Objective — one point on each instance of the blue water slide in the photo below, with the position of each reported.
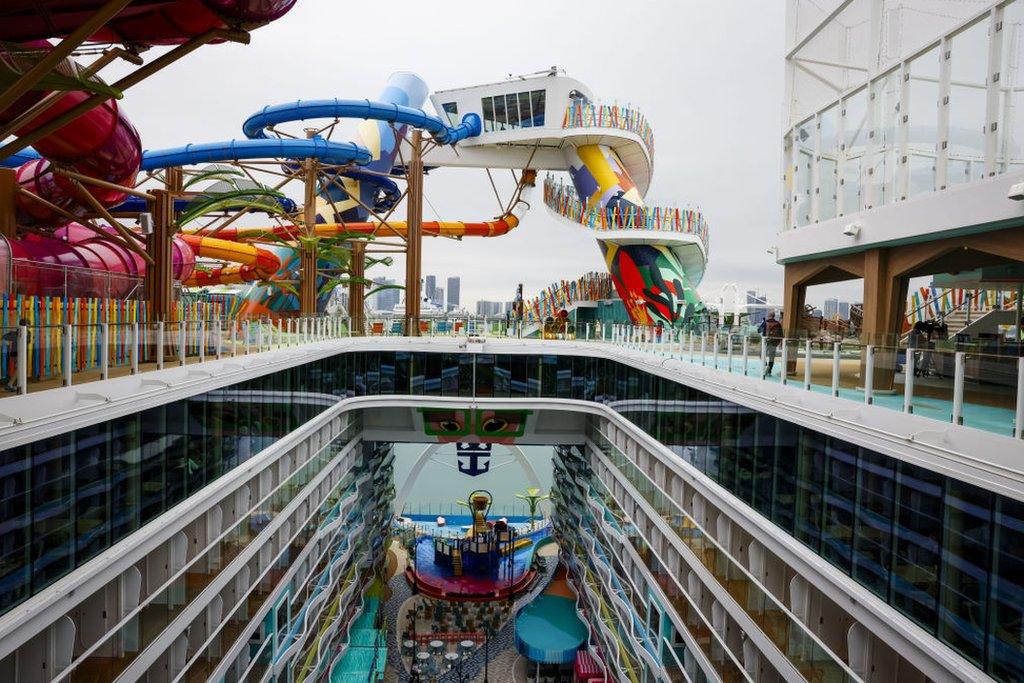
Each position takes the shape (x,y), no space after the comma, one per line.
(19,158)
(239,150)
(388,188)
(255,126)
(138,204)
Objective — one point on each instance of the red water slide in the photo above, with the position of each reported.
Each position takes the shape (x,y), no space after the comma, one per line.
(101,143)
(151,22)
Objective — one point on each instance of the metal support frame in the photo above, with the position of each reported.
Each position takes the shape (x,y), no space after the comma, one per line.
(836,351)
(958,388)
(60,52)
(182,339)
(136,347)
(22,368)
(1018,422)
(807,365)
(135,77)
(66,359)
(104,350)
(869,374)
(160,345)
(784,371)
(414,238)
(909,368)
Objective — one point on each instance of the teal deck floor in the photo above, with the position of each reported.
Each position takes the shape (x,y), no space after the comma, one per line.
(987,418)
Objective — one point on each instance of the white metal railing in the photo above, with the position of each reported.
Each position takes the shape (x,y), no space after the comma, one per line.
(966,384)
(75,353)
(870,137)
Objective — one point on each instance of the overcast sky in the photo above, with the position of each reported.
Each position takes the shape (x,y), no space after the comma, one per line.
(708,76)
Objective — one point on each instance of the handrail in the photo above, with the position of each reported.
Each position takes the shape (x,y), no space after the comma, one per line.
(585,114)
(562,199)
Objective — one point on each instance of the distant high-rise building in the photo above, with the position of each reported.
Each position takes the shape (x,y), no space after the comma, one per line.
(490,308)
(386,299)
(453,292)
(430,287)
(844,310)
(831,308)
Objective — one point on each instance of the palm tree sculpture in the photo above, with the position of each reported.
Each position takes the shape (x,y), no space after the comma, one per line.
(533,497)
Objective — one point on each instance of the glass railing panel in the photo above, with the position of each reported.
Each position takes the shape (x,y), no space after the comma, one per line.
(932,387)
(990,391)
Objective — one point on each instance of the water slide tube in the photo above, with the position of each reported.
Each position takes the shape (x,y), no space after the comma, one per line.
(253,262)
(101,143)
(152,22)
(337,200)
(495,228)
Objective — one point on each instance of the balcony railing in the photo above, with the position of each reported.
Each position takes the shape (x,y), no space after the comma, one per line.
(961,384)
(561,295)
(563,200)
(581,114)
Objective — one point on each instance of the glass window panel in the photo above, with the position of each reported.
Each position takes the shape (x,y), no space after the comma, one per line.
(52,510)
(125,457)
(548,376)
(176,439)
(1011,91)
(872,550)
(512,110)
(487,104)
(484,374)
(762,428)
(809,482)
(787,446)
(500,119)
(450,374)
(403,363)
(915,581)
(923,121)
(1006,611)
(418,373)
(855,135)
(92,491)
(840,496)
(525,115)
(537,106)
(742,427)
(803,160)
(967,100)
(466,374)
(965,568)
(433,374)
(885,92)
(15,526)
(386,379)
(828,162)
(502,376)
(563,383)
(451,110)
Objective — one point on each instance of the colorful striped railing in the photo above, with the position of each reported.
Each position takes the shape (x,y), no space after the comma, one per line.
(581,114)
(560,295)
(561,198)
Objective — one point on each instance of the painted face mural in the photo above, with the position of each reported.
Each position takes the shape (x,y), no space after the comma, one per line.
(464,425)
(650,282)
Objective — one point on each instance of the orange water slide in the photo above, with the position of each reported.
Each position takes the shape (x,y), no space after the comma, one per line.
(253,263)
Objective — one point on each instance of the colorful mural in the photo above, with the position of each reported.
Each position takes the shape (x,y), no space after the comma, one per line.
(651,283)
(474,425)
(648,276)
